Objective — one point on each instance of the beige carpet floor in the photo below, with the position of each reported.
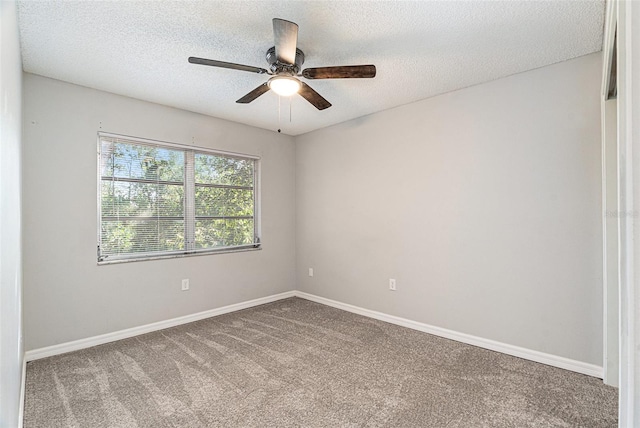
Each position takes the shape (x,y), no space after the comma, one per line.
(295,363)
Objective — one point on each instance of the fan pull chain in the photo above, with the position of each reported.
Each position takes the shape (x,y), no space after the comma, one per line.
(279,126)
(280,112)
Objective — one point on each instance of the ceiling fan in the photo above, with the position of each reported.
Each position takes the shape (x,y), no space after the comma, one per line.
(285,61)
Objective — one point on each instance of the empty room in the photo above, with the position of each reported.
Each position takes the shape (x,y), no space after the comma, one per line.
(319,213)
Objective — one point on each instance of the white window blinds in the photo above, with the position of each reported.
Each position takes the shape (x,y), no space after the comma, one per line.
(159,200)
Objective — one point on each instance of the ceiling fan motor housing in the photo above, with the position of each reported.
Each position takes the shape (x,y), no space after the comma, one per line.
(278,67)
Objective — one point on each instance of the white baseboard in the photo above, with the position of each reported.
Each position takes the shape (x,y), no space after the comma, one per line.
(36,354)
(516,351)
(528,354)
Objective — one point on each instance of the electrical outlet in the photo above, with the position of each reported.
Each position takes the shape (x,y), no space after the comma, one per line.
(392,284)
(185,284)
(310,271)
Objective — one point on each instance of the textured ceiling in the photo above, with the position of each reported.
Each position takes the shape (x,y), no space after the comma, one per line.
(421,49)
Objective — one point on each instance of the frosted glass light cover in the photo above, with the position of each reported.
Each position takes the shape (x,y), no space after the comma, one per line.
(284,86)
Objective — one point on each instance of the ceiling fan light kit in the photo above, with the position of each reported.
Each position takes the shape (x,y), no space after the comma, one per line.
(285,62)
(285,86)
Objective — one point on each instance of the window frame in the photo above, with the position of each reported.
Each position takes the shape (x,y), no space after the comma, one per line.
(189,150)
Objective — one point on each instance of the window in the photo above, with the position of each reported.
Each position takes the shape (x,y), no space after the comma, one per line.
(159,199)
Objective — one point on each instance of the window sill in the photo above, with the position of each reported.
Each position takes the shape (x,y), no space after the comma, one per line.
(178,256)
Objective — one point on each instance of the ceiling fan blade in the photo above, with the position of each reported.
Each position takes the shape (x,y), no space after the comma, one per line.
(222,64)
(286,38)
(313,97)
(254,94)
(342,72)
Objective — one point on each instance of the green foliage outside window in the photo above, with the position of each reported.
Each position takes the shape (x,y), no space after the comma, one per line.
(144,200)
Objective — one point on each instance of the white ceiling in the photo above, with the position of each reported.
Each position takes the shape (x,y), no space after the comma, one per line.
(421,49)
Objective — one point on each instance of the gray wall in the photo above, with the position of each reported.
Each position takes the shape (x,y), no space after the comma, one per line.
(483,203)
(11,349)
(66,295)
